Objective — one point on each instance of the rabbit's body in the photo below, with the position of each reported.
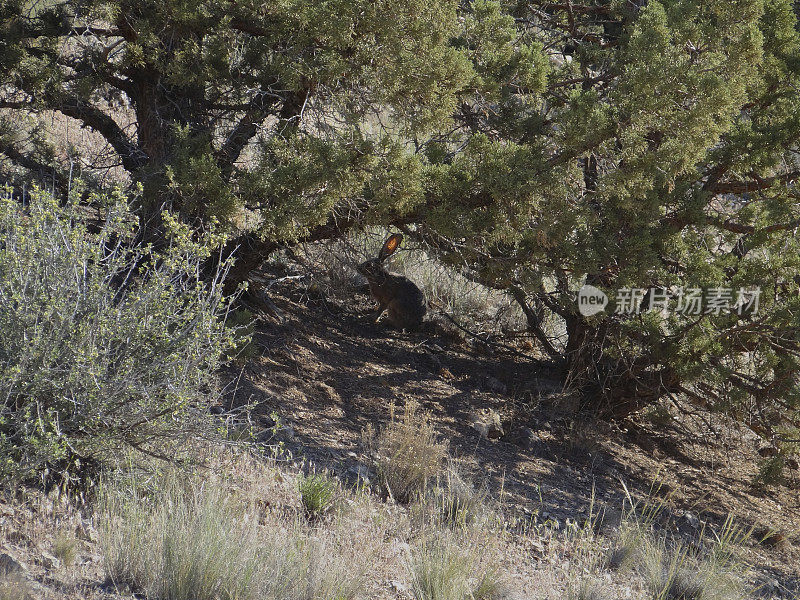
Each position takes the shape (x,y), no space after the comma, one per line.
(402,300)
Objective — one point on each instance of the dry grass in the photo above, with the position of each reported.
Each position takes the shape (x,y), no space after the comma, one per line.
(669,569)
(196,540)
(65,548)
(239,531)
(588,589)
(408,454)
(439,570)
(445,566)
(454,501)
(14,587)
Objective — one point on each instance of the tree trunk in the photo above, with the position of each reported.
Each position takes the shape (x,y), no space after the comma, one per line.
(612,388)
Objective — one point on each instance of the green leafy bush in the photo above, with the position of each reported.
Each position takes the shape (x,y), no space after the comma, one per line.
(105,345)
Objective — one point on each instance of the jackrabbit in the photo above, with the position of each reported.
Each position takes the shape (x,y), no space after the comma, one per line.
(399,296)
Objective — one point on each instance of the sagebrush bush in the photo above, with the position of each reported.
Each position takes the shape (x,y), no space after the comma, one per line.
(409,456)
(105,345)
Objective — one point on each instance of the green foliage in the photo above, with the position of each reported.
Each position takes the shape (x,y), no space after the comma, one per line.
(242,322)
(661,154)
(534,145)
(104,345)
(287,109)
(770,471)
(317,493)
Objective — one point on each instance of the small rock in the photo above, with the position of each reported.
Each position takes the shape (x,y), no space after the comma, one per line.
(48,561)
(494,385)
(538,547)
(362,471)
(445,373)
(398,586)
(768,451)
(567,403)
(527,438)
(9,566)
(772,586)
(488,424)
(85,531)
(691,519)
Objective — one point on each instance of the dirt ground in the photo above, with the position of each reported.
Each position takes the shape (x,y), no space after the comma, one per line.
(330,374)
(320,376)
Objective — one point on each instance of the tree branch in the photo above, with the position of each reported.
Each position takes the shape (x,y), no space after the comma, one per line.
(32,165)
(133,158)
(259,108)
(758,183)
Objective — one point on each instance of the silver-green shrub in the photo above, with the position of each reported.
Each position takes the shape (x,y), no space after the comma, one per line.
(105,344)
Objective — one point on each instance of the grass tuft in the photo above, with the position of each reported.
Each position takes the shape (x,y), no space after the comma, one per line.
(65,548)
(317,494)
(439,570)
(409,456)
(457,501)
(197,541)
(589,589)
(490,586)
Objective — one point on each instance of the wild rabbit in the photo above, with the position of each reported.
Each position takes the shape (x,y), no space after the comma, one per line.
(396,294)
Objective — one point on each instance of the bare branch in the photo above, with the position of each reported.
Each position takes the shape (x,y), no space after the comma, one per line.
(133,158)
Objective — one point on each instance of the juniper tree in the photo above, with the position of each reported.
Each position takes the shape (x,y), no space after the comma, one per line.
(538,146)
(661,155)
(225,109)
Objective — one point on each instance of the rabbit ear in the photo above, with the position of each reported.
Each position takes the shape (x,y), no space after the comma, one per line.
(390,246)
